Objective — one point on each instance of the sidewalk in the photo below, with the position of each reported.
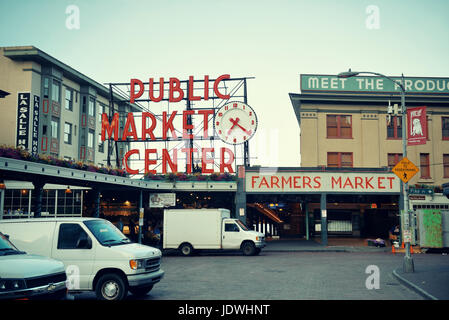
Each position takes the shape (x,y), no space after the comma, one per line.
(314,245)
(430,278)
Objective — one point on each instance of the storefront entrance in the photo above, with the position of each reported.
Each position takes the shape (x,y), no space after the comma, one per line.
(289,216)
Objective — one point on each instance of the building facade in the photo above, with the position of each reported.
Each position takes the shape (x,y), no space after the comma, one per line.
(353,129)
(50,109)
(63,107)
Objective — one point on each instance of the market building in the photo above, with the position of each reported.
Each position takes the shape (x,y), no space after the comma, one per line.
(354,124)
(54,113)
(351,138)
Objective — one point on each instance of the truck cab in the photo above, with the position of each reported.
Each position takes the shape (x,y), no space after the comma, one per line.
(235,235)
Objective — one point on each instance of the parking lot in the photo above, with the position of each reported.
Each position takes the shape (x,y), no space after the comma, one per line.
(278,276)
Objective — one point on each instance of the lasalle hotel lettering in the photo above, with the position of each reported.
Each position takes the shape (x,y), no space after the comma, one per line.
(23,121)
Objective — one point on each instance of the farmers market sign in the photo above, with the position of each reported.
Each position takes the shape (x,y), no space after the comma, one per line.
(322,182)
(314,82)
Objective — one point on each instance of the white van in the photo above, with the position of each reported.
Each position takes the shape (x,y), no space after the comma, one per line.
(208,229)
(96,255)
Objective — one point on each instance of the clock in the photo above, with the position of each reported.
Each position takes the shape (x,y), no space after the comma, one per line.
(235,122)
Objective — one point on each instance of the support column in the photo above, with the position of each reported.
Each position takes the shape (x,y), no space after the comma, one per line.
(96,203)
(304,208)
(38,190)
(141,213)
(323,202)
(2,202)
(240,197)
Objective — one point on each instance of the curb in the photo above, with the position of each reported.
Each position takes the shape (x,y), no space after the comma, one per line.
(414,287)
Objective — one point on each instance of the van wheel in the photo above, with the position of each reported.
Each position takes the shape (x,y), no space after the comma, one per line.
(140,291)
(186,249)
(248,248)
(111,287)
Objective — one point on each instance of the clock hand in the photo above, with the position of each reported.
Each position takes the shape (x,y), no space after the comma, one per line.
(235,123)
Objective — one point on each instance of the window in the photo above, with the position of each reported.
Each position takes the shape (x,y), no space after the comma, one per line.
(424,165)
(91,107)
(231,227)
(54,129)
(446,165)
(100,144)
(339,159)
(68,99)
(68,133)
(72,236)
(393,159)
(339,126)
(55,91)
(445,127)
(394,127)
(46,87)
(90,138)
(102,109)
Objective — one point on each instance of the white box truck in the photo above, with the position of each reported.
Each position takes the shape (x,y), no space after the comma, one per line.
(96,255)
(189,230)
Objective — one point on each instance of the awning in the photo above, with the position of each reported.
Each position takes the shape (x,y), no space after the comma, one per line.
(15,184)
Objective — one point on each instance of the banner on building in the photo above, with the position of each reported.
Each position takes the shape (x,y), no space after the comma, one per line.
(35,130)
(23,119)
(417,126)
(162,200)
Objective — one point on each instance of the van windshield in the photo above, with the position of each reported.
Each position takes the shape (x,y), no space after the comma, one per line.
(106,233)
(6,247)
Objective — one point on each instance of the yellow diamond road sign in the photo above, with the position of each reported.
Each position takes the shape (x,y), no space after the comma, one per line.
(405,170)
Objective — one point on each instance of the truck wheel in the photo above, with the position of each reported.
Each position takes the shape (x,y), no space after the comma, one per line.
(111,286)
(248,249)
(141,291)
(186,249)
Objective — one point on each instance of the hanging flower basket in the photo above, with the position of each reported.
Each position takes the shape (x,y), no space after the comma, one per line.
(21,154)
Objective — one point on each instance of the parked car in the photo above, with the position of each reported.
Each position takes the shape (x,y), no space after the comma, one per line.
(29,276)
(97,256)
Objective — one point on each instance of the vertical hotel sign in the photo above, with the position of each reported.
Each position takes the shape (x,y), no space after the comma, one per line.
(417,126)
(35,127)
(23,119)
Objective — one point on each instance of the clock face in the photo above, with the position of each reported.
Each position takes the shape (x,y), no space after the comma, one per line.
(235,122)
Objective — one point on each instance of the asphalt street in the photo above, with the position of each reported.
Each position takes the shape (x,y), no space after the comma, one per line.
(280,276)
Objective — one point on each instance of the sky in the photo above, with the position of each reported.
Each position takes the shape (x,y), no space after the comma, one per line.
(272,41)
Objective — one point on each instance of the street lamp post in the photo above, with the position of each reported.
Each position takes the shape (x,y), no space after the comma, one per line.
(408,265)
